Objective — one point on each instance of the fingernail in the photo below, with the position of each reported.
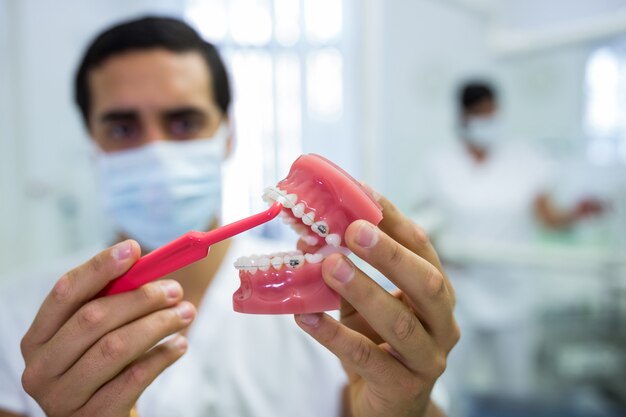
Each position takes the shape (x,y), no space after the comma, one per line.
(180,342)
(310,319)
(185,310)
(367,235)
(343,271)
(62,286)
(122,250)
(172,289)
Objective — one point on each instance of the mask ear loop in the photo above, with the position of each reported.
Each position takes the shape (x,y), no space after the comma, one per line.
(188,248)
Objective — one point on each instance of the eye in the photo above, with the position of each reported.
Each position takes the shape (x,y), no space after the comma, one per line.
(123,131)
(185,127)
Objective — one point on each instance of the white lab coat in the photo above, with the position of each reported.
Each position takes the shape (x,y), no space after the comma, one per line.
(481,206)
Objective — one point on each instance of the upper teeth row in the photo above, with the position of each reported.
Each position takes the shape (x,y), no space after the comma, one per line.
(289,201)
(276,260)
(272,194)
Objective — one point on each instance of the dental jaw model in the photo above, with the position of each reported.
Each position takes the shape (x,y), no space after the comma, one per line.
(319,200)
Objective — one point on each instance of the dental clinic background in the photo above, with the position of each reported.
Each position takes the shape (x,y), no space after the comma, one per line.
(373,85)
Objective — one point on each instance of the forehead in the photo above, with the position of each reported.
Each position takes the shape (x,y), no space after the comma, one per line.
(485,106)
(151,79)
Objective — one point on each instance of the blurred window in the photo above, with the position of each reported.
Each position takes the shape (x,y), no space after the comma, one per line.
(605,113)
(286,65)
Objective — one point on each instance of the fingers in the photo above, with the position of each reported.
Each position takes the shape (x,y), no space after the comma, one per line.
(76,287)
(356,352)
(126,388)
(390,318)
(102,315)
(422,284)
(411,236)
(116,350)
(119,395)
(111,354)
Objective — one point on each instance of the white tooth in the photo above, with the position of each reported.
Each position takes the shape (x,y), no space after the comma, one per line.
(242,262)
(293,261)
(264,264)
(321,228)
(254,261)
(330,249)
(290,200)
(310,240)
(299,228)
(314,258)
(277,262)
(272,194)
(333,239)
(308,218)
(252,269)
(269,194)
(298,210)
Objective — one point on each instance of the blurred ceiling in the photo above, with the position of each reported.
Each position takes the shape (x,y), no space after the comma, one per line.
(521,26)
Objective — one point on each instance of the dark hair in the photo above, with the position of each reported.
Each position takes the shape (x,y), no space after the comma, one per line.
(148,33)
(474,92)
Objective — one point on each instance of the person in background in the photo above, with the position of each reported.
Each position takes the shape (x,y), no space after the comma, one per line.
(155,100)
(490,194)
(522,170)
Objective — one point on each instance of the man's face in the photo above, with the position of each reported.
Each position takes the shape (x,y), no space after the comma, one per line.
(140,97)
(484,108)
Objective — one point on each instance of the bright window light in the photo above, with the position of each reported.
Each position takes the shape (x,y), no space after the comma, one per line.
(324,84)
(209,18)
(287,26)
(250,22)
(605,114)
(603,87)
(288,110)
(286,66)
(323,20)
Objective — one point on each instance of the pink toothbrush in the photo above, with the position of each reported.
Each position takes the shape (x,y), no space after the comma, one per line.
(188,248)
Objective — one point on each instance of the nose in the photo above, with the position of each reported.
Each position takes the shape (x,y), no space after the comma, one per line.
(154,132)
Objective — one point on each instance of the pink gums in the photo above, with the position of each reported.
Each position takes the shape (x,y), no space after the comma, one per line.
(335,198)
(286,291)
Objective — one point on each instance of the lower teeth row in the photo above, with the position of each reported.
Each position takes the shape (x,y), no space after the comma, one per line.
(277,261)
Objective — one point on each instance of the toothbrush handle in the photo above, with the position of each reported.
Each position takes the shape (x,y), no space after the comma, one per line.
(189,248)
(181,252)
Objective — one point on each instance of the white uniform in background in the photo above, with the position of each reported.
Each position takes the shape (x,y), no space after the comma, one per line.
(237,365)
(486,205)
(488,201)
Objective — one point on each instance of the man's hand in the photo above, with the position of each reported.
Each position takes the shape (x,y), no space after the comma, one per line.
(88,357)
(394,346)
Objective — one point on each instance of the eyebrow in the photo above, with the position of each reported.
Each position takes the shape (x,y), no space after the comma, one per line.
(184,111)
(116,115)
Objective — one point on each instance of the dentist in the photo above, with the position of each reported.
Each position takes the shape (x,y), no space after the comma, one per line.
(155,100)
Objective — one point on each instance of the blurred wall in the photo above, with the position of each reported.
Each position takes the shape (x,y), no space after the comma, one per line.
(427,48)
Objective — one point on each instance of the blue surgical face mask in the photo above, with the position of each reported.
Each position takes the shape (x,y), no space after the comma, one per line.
(160,191)
(482,131)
